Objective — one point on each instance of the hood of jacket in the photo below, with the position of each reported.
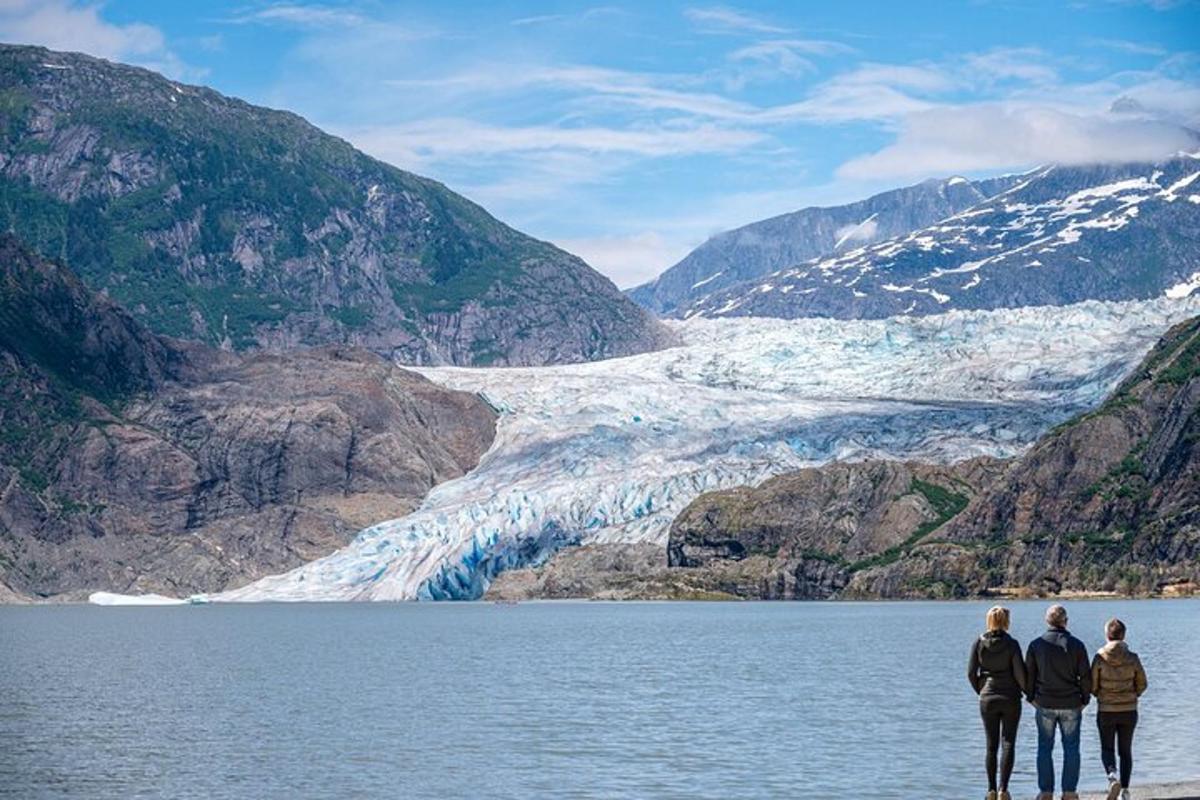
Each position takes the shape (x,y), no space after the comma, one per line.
(1116,653)
(995,642)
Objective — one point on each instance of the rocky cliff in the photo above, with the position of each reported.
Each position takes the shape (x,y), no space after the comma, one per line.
(1109,501)
(132,462)
(215,220)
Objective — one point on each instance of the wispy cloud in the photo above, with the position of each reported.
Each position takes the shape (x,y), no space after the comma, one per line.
(303,16)
(437,139)
(1027,64)
(723,19)
(1126,46)
(63,25)
(789,56)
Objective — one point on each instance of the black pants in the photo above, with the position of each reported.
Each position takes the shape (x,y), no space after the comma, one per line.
(1116,727)
(1000,718)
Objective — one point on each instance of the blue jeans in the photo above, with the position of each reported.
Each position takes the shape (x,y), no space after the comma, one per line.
(1066,720)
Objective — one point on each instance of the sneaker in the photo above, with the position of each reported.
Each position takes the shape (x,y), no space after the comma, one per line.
(991,795)
(1114,788)
(1125,795)
(1004,795)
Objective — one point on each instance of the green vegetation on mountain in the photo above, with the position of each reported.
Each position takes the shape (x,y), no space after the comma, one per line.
(216,220)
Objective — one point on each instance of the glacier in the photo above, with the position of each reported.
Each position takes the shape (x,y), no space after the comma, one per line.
(611,451)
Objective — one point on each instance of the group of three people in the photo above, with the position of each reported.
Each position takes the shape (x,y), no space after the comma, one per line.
(1055,676)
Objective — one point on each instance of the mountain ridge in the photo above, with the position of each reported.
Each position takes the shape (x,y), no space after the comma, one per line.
(761,247)
(217,220)
(1059,236)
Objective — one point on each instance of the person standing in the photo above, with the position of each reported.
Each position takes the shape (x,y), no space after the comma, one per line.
(997,674)
(1118,680)
(1059,685)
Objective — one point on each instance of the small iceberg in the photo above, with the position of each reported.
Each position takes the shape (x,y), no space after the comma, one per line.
(113,599)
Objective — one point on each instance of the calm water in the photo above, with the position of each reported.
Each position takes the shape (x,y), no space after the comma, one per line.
(567,700)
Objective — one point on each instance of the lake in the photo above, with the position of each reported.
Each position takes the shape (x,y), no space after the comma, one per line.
(563,700)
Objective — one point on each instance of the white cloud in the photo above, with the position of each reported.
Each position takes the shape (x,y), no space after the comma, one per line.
(725,19)
(62,25)
(628,260)
(992,136)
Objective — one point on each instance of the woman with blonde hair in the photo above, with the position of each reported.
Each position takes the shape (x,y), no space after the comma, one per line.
(997,674)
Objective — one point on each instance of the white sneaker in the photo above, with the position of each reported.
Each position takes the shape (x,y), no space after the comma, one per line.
(1125,795)
(1114,787)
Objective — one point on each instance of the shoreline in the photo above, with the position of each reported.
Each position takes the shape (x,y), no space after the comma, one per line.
(1183,790)
(1082,597)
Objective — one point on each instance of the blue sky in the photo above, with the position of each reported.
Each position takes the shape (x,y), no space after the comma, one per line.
(630,132)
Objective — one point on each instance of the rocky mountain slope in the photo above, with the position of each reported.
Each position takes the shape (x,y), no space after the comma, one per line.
(133,462)
(1060,236)
(1109,501)
(758,249)
(215,220)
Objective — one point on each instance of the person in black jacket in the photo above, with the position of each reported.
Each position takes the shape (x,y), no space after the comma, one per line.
(997,674)
(1059,684)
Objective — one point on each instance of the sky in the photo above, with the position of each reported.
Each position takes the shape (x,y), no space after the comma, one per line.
(628,133)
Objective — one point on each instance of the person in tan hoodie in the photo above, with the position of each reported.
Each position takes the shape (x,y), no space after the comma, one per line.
(1118,680)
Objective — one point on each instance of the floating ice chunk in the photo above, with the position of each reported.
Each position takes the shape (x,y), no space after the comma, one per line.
(113,599)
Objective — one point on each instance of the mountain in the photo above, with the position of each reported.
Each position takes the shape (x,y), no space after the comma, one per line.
(1108,501)
(1061,235)
(215,220)
(133,462)
(761,248)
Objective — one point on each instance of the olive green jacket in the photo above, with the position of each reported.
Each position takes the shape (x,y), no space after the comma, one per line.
(1118,679)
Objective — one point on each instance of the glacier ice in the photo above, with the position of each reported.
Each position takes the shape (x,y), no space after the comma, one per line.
(610,451)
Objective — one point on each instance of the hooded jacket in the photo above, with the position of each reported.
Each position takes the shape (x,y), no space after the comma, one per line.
(1057,672)
(1118,679)
(995,668)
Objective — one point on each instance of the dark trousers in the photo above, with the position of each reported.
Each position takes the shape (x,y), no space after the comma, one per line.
(1000,718)
(1116,729)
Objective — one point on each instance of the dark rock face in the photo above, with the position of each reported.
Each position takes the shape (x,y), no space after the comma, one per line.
(131,462)
(758,249)
(1110,500)
(214,220)
(1062,235)
(807,533)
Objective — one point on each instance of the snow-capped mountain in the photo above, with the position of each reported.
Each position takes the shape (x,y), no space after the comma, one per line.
(762,247)
(612,451)
(1060,235)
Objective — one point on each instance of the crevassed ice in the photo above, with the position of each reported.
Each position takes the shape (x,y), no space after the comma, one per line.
(613,450)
